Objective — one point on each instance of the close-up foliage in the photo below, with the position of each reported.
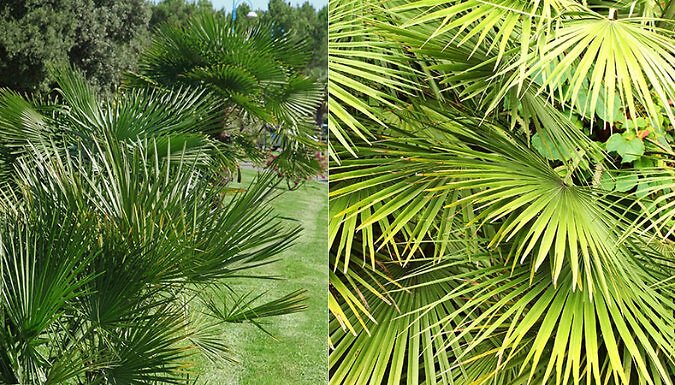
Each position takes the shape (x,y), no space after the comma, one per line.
(502,192)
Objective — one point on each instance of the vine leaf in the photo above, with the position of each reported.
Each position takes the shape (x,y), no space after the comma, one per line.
(629,149)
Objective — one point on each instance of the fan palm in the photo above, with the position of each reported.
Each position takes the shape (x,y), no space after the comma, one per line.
(255,73)
(117,233)
(502,207)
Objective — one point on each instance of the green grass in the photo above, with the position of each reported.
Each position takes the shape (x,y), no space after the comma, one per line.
(298,353)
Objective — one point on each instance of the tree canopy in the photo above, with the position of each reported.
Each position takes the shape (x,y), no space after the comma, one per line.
(102,38)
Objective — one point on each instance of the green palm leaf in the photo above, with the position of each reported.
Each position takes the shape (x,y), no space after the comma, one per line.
(254,75)
(534,252)
(115,216)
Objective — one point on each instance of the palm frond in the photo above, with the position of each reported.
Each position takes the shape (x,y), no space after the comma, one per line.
(520,191)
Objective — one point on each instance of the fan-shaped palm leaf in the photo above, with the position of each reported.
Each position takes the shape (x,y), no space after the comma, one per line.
(491,184)
(115,217)
(255,74)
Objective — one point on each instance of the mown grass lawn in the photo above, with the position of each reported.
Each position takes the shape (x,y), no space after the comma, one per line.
(298,353)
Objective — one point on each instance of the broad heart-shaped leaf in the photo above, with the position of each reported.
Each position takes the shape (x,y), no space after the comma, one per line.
(602,110)
(643,189)
(629,150)
(626,182)
(550,149)
(641,123)
(607,182)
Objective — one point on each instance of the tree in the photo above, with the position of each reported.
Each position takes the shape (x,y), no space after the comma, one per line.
(502,192)
(308,25)
(176,12)
(117,239)
(254,73)
(320,35)
(99,37)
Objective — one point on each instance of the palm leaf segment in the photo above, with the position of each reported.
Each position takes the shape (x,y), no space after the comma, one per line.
(484,235)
